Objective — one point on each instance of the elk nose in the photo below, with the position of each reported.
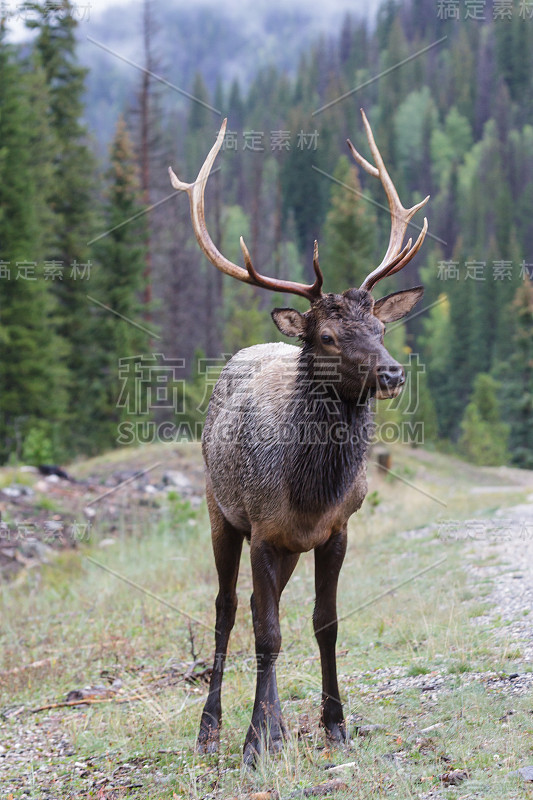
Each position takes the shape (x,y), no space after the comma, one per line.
(391,377)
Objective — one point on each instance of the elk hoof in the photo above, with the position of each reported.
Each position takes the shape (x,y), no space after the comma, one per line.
(208,742)
(255,747)
(250,754)
(336,733)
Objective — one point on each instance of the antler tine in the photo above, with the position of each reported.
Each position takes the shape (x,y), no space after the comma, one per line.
(249,275)
(311,292)
(395,258)
(196,198)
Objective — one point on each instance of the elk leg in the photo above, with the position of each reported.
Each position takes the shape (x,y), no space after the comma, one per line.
(271,569)
(227,547)
(328,561)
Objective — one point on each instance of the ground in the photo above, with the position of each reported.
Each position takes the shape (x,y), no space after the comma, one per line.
(108,589)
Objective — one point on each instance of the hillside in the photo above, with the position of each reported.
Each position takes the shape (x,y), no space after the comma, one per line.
(107,642)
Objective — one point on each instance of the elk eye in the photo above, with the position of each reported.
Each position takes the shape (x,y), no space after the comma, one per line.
(326,338)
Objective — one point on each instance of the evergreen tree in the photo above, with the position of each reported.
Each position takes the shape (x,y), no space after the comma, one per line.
(201,127)
(517,380)
(72,199)
(348,231)
(116,336)
(31,376)
(484,436)
(305,190)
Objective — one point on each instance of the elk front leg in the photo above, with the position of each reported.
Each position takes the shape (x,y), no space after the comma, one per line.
(271,570)
(328,561)
(227,547)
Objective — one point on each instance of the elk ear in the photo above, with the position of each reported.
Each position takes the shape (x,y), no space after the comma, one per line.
(397,305)
(289,321)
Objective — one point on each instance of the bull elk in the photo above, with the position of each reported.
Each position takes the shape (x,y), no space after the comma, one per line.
(285,446)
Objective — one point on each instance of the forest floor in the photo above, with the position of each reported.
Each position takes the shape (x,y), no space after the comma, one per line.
(107,610)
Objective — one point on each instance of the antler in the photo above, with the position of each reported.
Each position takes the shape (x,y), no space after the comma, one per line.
(249,275)
(396,257)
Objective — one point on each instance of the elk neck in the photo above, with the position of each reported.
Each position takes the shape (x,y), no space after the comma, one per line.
(333,438)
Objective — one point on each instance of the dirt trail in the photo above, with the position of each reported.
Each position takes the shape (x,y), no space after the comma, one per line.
(502,550)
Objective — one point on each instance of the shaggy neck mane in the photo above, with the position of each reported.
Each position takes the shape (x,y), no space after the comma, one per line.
(332,438)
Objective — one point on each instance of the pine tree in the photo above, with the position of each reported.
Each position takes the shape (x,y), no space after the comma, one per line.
(517,380)
(116,335)
(72,199)
(484,436)
(348,232)
(31,376)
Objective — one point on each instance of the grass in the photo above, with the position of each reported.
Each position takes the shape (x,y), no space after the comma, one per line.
(89,627)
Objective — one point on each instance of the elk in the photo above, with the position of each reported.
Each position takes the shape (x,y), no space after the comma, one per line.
(285,448)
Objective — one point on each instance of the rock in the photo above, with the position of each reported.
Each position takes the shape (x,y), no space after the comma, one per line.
(367,730)
(177,479)
(324,789)
(16,490)
(33,548)
(526,773)
(124,475)
(23,489)
(52,470)
(10,491)
(454,777)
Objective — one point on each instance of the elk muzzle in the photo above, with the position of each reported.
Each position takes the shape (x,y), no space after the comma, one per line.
(390,380)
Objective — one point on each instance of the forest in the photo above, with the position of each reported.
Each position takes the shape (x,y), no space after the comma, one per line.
(113,325)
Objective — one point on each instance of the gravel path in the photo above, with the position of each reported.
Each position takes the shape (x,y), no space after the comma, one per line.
(507,540)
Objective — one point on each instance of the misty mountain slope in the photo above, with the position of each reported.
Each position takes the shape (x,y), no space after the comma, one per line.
(220,43)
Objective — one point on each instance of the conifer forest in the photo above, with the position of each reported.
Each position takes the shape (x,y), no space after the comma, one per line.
(113,325)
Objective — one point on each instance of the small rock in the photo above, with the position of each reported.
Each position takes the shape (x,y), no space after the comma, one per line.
(23,489)
(367,730)
(526,773)
(33,548)
(323,789)
(454,777)
(10,491)
(178,479)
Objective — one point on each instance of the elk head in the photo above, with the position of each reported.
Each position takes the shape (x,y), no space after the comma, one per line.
(346,329)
